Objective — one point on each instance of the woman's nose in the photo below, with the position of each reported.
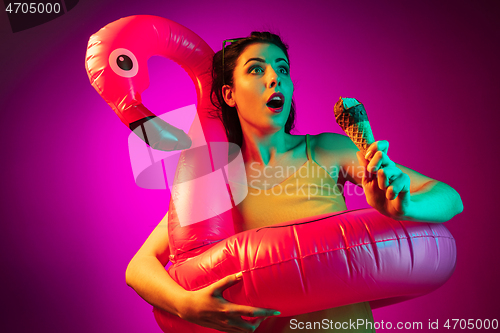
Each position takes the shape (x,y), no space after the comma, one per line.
(274,79)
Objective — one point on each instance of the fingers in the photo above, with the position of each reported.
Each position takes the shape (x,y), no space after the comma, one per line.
(381,145)
(232,313)
(392,180)
(226,282)
(241,318)
(387,175)
(361,159)
(383,171)
(367,177)
(379,160)
(248,317)
(213,311)
(250,311)
(230,321)
(400,186)
(254,323)
(240,325)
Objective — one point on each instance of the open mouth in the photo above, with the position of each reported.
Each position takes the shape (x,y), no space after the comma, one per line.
(276,102)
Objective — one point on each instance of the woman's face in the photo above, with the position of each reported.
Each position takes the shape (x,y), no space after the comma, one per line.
(262,88)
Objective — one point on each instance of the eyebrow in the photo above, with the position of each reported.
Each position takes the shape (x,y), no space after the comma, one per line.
(262,60)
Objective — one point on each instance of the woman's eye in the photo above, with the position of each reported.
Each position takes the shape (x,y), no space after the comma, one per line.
(256,70)
(284,70)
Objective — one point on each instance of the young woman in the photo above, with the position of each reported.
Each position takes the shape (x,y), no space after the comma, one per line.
(253,90)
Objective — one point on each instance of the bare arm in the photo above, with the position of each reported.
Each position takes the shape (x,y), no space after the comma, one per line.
(431,201)
(146,274)
(392,189)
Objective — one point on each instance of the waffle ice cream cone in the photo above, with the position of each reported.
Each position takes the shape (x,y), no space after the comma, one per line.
(352,118)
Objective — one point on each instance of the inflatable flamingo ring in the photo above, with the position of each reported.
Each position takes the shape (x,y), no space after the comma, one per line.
(328,261)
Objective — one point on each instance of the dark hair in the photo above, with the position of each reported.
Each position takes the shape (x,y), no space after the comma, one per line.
(226,113)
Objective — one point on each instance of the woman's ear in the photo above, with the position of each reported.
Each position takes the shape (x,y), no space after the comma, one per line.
(227,93)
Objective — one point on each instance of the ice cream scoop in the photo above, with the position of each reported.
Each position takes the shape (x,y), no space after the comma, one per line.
(351,117)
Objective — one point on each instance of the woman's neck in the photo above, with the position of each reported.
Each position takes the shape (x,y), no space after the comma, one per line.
(264,148)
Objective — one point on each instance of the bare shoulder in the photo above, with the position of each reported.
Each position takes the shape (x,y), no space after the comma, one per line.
(332,142)
(334,152)
(333,147)
(329,150)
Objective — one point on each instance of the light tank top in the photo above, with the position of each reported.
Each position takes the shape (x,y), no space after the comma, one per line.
(307,191)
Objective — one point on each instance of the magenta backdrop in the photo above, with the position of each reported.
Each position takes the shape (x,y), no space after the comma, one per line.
(428,74)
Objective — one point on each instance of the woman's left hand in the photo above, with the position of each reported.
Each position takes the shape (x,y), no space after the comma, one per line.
(386,187)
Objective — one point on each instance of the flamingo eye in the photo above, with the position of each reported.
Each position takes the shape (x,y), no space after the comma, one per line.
(123,62)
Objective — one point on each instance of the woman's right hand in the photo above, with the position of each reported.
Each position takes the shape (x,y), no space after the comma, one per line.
(206,307)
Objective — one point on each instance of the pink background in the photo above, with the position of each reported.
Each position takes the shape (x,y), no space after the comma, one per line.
(72,216)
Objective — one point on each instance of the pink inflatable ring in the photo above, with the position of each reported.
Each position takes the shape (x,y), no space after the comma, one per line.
(332,260)
(328,261)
